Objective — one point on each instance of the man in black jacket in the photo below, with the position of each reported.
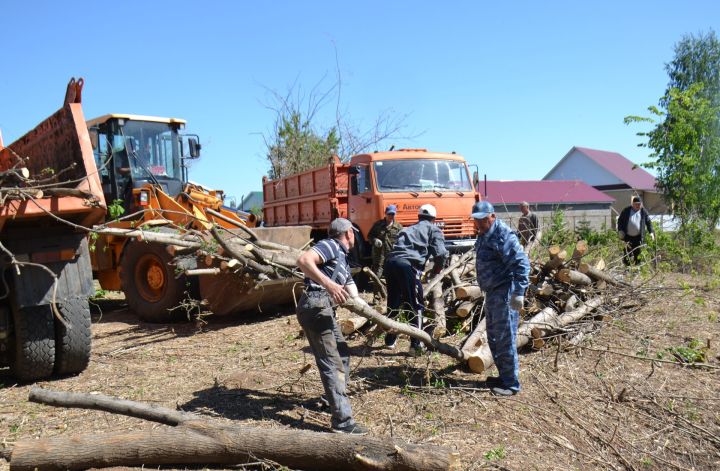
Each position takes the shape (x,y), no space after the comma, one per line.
(632,224)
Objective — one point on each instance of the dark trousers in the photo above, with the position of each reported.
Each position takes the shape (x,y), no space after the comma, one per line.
(405,294)
(332,354)
(632,249)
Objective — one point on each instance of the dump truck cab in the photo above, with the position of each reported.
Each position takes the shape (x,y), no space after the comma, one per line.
(132,151)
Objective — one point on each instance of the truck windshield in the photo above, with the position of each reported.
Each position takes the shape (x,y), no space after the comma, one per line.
(421,175)
(156,148)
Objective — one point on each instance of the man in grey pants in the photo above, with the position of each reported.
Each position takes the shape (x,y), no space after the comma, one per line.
(328,283)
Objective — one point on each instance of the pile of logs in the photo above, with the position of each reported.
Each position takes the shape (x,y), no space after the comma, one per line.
(563,291)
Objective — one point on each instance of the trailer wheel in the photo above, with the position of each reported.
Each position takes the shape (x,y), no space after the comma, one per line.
(72,346)
(33,352)
(149,283)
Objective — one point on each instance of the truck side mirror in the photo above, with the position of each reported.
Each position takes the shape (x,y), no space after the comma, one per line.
(195,147)
(354,170)
(354,190)
(476,179)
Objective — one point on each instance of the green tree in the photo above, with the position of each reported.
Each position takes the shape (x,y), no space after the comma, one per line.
(685,140)
(297,146)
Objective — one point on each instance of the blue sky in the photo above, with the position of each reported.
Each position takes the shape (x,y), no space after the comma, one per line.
(511,87)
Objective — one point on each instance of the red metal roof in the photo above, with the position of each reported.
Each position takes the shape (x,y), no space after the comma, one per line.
(542,192)
(633,175)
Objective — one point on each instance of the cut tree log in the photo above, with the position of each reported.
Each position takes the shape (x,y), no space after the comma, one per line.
(555,322)
(437,304)
(469,293)
(581,248)
(596,274)
(555,262)
(351,324)
(482,359)
(465,308)
(573,277)
(192,440)
(476,339)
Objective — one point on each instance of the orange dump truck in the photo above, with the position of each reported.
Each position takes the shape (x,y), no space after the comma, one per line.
(48,174)
(361,189)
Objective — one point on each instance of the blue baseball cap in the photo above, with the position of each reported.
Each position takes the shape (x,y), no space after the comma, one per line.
(482,209)
(391,209)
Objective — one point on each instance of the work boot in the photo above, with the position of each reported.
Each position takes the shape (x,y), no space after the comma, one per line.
(502,391)
(491,381)
(390,341)
(352,429)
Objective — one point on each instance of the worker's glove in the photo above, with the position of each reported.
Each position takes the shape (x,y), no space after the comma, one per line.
(621,234)
(516,302)
(377,243)
(652,235)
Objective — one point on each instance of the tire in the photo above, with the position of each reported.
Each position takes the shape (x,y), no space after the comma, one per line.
(72,347)
(149,283)
(33,352)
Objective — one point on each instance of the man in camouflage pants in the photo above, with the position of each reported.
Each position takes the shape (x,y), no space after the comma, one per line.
(382,236)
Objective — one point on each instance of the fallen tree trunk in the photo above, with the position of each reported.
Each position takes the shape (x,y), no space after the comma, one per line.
(361,308)
(427,289)
(195,441)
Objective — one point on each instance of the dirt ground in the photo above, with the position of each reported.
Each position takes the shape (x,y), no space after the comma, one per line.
(606,405)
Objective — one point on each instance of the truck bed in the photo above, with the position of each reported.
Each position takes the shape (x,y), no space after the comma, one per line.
(60,143)
(312,198)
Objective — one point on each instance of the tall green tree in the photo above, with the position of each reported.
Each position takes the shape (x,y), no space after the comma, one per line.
(685,140)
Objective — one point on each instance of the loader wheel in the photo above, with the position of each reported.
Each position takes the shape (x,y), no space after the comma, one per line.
(149,283)
(33,354)
(72,347)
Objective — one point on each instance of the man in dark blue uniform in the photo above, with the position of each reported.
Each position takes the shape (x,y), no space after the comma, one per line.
(502,272)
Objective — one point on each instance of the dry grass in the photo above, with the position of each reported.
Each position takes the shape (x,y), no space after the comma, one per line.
(603,406)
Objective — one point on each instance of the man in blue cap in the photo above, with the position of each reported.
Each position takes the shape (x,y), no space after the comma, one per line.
(502,272)
(382,236)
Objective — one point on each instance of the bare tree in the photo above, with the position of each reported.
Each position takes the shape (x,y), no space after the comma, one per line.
(300,139)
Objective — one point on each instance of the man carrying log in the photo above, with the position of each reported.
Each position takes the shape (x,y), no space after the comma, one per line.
(404,267)
(502,272)
(328,283)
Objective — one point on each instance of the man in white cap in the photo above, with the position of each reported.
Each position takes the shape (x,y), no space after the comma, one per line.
(502,272)
(404,266)
(328,283)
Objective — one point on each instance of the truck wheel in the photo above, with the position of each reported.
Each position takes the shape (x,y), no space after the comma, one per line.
(33,355)
(72,347)
(149,283)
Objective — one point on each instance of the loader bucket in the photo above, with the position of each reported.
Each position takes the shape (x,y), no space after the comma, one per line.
(229,293)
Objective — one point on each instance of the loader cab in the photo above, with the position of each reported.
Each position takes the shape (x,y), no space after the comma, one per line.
(134,151)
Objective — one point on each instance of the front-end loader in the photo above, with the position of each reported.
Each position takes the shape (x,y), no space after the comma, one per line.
(141,163)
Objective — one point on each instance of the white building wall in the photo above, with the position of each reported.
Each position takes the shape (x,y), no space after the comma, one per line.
(599,219)
(577,166)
